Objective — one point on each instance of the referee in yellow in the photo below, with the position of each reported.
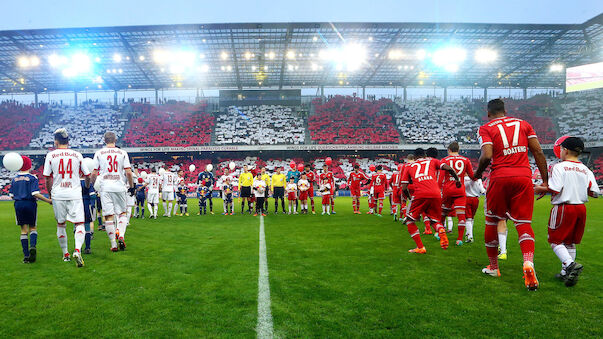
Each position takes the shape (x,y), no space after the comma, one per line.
(266,178)
(245,182)
(278,189)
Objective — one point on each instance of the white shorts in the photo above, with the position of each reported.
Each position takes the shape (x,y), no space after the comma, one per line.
(114,203)
(153,197)
(167,195)
(68,210)
(130,200)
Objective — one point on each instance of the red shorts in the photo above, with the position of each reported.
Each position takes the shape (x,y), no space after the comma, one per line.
(471,207)
(430,207)
(355,191)
(326,199)
(292,196)
(566,224)
(311,191)
(378,195)
(453,203)
(396,196)
(510,198)
(303,195)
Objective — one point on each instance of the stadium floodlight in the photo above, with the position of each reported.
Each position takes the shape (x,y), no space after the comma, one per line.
(449,55)
(314,67)
(117,57)
(421,54)
(556,67)
(291,55)
(395,54)
(485,55)
(23,62)
(271,55)
(350,57)
(34,61)
(141,58)
(253,68)
(314,38)
(56,60)
(451,68)
(79,63)
(247,55)
(205,68)
(223,55)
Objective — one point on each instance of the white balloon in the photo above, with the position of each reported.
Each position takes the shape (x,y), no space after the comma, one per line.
(143,174)
(209,167)
(191,168)
(161,171)
(232,165)
(12,161)
(89,163)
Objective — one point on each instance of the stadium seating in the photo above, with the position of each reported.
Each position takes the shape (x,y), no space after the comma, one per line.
(85,124)
(537,111)
(581,115)
(260,125)
(170,125)
(19,124)
(430,120)
(351,120)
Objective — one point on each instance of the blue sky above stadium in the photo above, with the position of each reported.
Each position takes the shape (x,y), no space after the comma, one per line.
(34,14)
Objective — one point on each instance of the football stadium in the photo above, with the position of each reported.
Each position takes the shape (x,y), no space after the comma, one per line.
(398,171)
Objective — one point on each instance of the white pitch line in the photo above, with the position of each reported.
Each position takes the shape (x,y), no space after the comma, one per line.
(264,327)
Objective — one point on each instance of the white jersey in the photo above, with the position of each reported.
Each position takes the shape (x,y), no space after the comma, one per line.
(65,166)
(303,185)
(152,182)
(111,163)
(572,181)
(168,182)
(291,188)
(259,187)
(474,188)
(222,180)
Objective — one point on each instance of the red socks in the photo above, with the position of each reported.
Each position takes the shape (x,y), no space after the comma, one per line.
(526,241)
(414,234)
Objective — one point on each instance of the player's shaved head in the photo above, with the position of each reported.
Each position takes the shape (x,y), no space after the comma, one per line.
(496,107)
(453,147)
(419,153)
(110,137)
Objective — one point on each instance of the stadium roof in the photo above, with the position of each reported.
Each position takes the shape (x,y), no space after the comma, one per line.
(252,55)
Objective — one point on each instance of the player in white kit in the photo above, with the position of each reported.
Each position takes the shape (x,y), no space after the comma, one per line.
(62,169)
(168,192)
(153,182)
(113,167)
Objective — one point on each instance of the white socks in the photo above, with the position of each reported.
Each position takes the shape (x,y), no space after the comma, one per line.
(122,224)
(62,236)
(156,209)
(502,241)
(169,208)
(449,223)
(110,229)
(572,251)
(328,209)
(469,228)
(289,209)
(563,255)
(150,208)
(80,235)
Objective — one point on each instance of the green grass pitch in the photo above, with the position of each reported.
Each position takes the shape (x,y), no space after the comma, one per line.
(330,276)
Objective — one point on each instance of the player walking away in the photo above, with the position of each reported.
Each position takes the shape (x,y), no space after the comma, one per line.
(410,158)
(505,142)
(99,212)
(140,198)
(113,167)
(354,181)
(208,177)
(304,186)
(295,174)
(24,190)
(292,195)
(87,192)
(325,190)
(245,182)
(329,176)
(426,198)
(378,185)
(266,177)
(571,183)
(473,190)
(153,182)
(259,190)
(453,197)
(227,196)
(278,189)
(168,190)
(311,177)
(62,169)
(394,183)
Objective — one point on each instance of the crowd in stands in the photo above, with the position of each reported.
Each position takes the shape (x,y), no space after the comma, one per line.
(260,125)
(178,124)
(351,120)
(598,168)
(85,124)
(536,110)
(19,124)
(581,115)
(430,120)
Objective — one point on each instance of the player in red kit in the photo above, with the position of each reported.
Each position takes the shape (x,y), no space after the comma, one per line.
(378,185)
(311,177)
(505,143)
(394,183)
(426,198)
(453,197)
(326,174)
(354,181)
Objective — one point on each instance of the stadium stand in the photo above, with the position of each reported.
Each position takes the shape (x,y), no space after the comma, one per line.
(537,111)
(581,115)
(598,168)
(85,124)
(351,120)
(19,124)
(430,120)
(259,125)
(177,124)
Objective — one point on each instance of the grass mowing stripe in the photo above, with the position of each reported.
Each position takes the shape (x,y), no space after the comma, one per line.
(264,327)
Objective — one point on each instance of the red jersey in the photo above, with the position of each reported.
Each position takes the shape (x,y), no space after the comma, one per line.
(509,140)
(310,176)
(379,182)
(423,175)
(355,179)
(462,166)
(329,177)
(394,181)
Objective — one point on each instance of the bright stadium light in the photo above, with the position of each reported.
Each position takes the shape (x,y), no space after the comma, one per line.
(117,57)
(271,55)
(556,67)
(350,57)
(291,55)
(205,68)
(78,64)
(23,62)
(223,55)
(247,55)
(451,68)
(421,54)
(34,61)
(485,55)
(449,55)
(395,54)
(56,60)
(141,58)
